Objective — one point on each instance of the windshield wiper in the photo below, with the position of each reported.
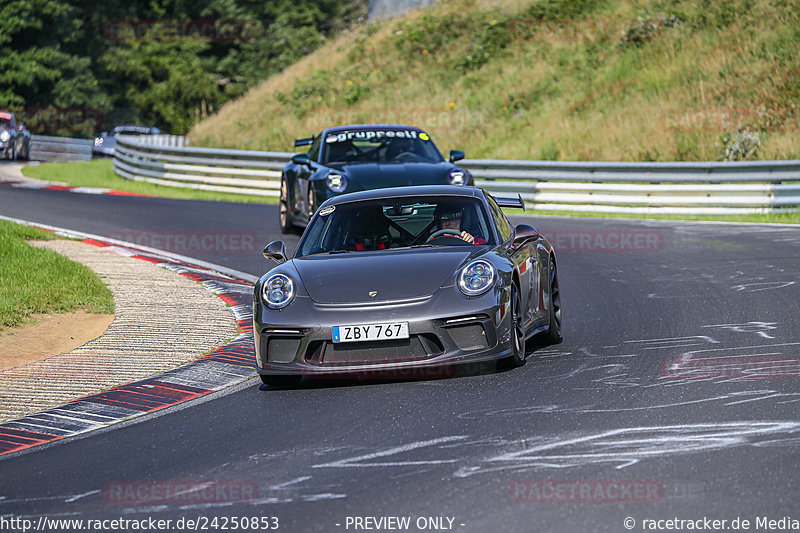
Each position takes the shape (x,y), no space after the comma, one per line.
(338,252)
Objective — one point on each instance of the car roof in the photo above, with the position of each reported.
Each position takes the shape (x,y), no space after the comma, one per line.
(134,128)
(403,192)
(370,127)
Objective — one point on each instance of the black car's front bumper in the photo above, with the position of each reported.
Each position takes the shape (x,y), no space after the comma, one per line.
(445,330)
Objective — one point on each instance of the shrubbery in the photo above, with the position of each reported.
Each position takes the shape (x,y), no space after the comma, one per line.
(67,54)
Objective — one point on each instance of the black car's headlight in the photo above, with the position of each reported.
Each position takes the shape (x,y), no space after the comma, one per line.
(4,135)
(457,177)
(336,182)
(477,277)
(277,291)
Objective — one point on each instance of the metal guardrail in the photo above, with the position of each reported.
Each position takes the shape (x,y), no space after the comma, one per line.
(236,171)
(45,148)
(178,141)
(679,188)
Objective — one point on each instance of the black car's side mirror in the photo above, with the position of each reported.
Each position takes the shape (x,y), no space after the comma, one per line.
(276,251)
(456,155)
(301,159)
(524,234)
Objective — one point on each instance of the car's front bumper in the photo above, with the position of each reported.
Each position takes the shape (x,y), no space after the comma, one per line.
(445,330)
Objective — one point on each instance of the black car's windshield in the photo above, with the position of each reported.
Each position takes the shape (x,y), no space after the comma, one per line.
(397,223)
(379,146)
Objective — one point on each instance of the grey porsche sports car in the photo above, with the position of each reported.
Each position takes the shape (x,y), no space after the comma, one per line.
(405,278)
(354,158)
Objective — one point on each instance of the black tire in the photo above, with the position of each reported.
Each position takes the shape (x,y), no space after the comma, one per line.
(554,333)
(517,357)
(283,209)
(280,381)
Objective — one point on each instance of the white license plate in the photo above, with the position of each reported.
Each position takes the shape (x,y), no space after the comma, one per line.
(371,332)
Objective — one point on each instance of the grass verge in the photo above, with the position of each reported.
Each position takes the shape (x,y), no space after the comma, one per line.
(34,280)
(100,173)
(607,80)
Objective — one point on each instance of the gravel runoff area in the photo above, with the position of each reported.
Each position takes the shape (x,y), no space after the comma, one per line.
(162,320)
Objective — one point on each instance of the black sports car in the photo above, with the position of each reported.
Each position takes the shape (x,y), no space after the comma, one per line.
(105,143)
(15,139)
(405,278)
(357,158)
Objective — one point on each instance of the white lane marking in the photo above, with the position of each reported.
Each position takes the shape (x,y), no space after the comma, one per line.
(762,286)
(759,328)
(285,484)
(90,190)
(628,446)
(79,496)
(358,460)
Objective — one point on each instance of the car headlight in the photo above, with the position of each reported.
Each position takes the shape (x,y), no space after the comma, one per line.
(4,135)
(477,277)
(277,291)
(457,177)
(336,182)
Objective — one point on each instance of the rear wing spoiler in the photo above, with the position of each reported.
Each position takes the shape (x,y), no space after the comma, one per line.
(303,142)
(510,201)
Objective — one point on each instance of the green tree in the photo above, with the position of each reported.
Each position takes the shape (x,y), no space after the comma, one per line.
(38,68)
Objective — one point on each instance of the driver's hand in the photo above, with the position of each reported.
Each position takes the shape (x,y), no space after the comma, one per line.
(467,237)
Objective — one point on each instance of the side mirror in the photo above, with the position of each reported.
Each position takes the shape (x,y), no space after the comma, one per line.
(523,234)
(301,159)
(456,155)
(276,251)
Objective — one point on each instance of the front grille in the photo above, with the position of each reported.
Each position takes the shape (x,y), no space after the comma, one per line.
(415,348)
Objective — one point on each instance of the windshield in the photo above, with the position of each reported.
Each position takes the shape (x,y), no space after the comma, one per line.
(397,223)
(5,123)
(380,146)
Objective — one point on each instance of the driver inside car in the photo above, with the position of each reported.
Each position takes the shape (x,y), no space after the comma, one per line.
(449,217)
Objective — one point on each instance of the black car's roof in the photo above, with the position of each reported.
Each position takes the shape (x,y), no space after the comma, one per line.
(406,191)
(370,127)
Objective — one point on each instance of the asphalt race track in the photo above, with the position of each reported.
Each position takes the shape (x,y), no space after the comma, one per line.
(675,395)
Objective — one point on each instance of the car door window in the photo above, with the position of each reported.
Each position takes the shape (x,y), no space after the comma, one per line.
(500,220)
(313,152)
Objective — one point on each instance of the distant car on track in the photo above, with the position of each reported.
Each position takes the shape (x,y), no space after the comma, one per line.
(403,278)
(15,139)
(104,144)
(361,157)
